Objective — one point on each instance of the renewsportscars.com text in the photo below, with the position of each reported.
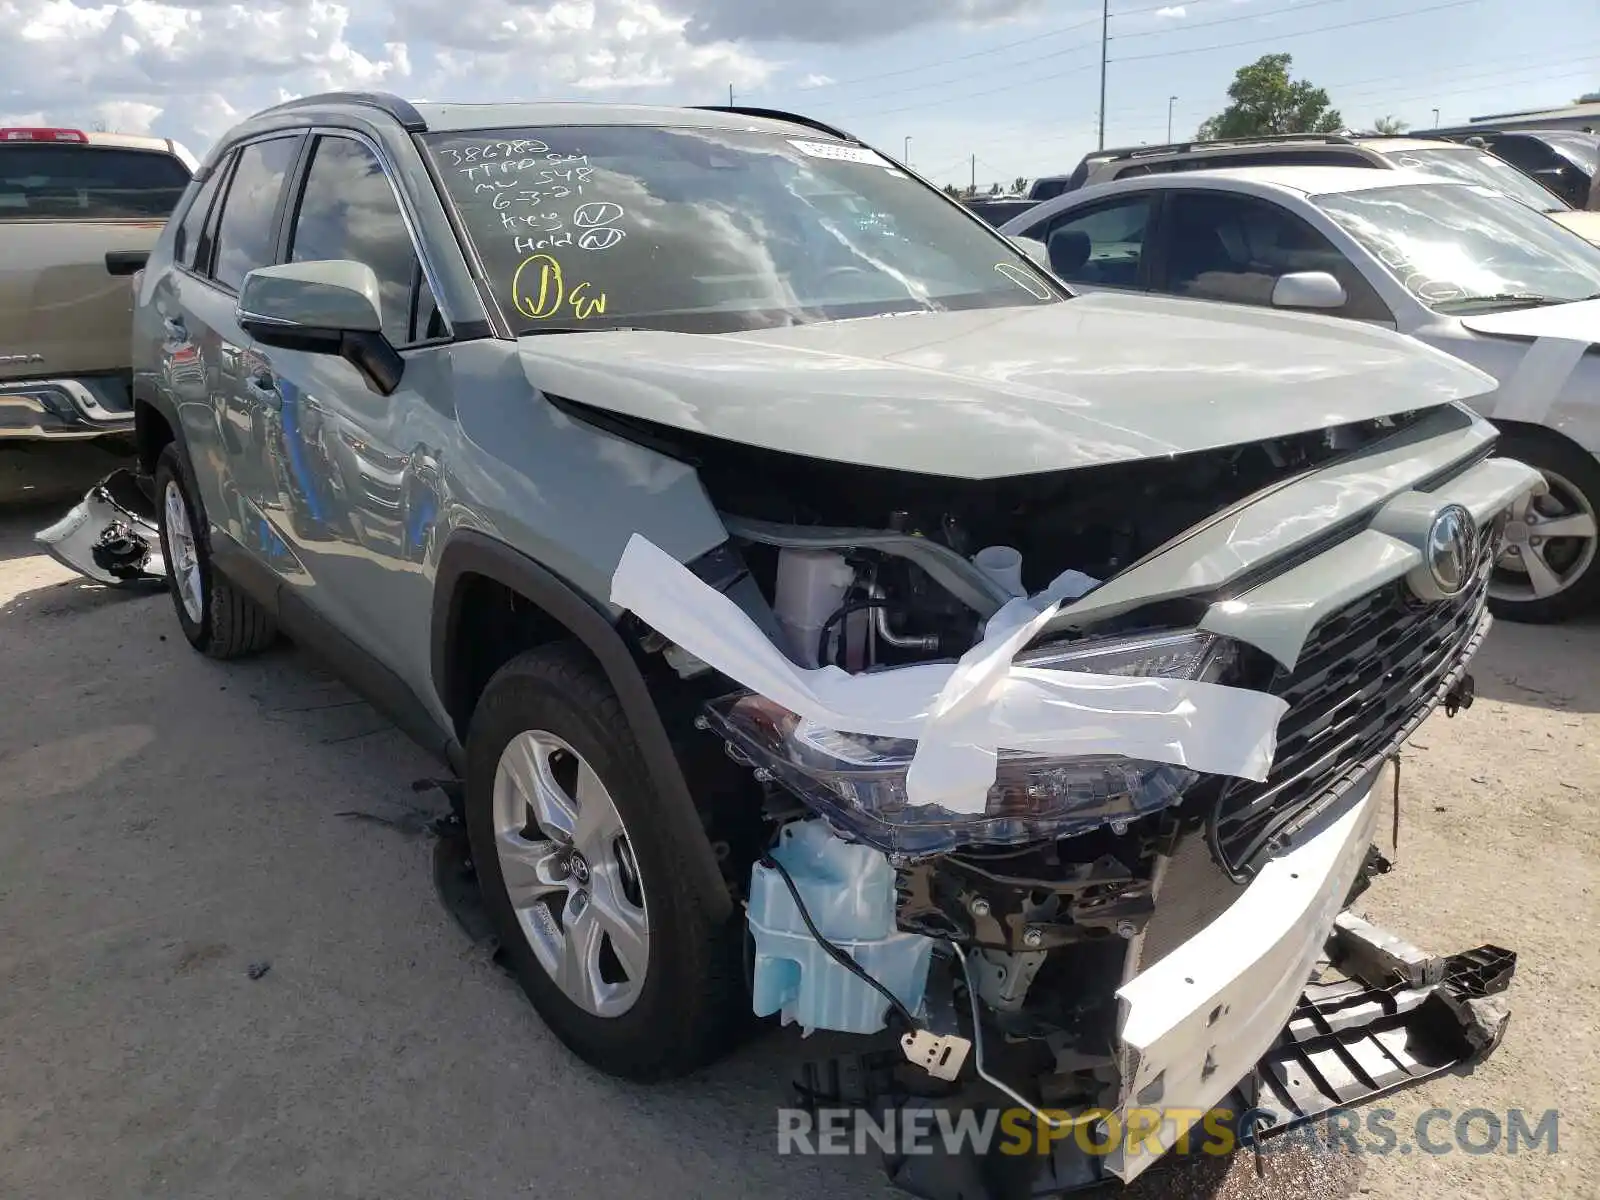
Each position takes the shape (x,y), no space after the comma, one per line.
(1015,1131)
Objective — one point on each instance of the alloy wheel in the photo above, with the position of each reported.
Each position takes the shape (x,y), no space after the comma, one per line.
(185,564)
(570,873)
(1550,543)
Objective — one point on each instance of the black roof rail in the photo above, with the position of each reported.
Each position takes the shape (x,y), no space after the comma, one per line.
(1266,139)
(401,110)
(778,114)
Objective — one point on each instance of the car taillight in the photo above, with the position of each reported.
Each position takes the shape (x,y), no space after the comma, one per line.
(22,134)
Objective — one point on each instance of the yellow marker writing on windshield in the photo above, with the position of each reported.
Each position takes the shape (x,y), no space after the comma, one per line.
(585,306)
(539,290)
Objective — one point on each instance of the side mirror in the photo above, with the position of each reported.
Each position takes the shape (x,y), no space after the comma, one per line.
(1034,250)
(325,307)
(1308,289)
(126,262)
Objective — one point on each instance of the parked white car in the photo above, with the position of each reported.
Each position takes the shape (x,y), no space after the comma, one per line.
(1454,264)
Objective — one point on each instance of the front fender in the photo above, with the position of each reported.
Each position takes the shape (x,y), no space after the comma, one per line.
(469,552)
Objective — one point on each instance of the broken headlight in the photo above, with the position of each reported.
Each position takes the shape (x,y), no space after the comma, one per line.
(858,782)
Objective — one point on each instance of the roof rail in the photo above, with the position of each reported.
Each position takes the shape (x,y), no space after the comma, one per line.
(778,114)
(1266,139)
(401,110)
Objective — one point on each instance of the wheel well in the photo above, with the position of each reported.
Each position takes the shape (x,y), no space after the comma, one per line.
(1526,429)
(491,624)
(151,433)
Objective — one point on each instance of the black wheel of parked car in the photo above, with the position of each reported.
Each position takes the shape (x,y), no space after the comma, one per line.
(606,933)
(1550,569)
(219,620)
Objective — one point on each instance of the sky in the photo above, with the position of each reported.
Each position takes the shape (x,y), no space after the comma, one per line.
(1013,84)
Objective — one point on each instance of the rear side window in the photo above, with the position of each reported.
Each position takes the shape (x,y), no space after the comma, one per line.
(1101,247)
(187,239)
(348,210)
(42,182)
(244,234)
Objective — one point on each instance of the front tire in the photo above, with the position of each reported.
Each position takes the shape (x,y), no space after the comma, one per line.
(217,618)
(1550,569)
(577,861)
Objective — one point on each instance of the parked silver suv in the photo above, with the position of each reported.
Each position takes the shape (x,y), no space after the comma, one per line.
(1389,152)
(830,615)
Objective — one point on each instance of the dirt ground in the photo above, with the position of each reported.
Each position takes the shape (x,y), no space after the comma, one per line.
(225,971)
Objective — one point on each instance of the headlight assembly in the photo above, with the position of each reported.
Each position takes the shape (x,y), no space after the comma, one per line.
(859,782)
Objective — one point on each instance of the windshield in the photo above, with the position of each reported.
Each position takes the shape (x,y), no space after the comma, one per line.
(1455,247)
(1477,166)
(711,230)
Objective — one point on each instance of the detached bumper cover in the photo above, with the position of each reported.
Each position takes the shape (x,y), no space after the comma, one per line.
(110,536)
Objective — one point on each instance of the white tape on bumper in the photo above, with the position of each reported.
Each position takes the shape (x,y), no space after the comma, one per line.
(960,715)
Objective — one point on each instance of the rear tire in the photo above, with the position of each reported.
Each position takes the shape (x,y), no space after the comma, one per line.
(1566,569)
(550,718)
(216,617)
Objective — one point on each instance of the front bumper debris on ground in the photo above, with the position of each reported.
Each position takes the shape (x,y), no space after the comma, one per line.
(1378,1015)
(110,536)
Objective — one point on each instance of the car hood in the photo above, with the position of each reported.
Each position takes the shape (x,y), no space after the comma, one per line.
(1585,224)
(996,392)
(1575,322)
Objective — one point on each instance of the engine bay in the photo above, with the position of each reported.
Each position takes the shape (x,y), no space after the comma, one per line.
(867,605)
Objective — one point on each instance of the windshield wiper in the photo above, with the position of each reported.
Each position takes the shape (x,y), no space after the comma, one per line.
(1530,299)
(581,329)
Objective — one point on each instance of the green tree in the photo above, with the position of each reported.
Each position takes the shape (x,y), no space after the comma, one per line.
(994,189)
(951,189)
(1390,125)
(1266,100)
(1019,184)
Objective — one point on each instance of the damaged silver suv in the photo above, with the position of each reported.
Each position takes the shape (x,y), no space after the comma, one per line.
(829,614)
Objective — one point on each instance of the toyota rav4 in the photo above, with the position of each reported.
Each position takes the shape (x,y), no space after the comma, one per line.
(829,614)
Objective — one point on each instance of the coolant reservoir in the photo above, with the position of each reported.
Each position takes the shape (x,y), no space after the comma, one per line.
(811,587)
(848,890)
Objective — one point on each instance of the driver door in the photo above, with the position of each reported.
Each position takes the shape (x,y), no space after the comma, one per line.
(354,489)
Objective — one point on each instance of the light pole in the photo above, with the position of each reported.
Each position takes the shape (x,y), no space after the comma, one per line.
(1436,118)
(906,157)
(1171,100)
(1105,39)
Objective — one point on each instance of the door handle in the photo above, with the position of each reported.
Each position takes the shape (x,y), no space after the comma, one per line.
(264,389)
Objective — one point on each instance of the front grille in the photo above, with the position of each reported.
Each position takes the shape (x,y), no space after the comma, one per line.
(1369,674)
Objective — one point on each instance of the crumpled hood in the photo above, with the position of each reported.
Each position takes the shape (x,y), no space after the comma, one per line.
(998,392)
(1585,224)
(1575,322)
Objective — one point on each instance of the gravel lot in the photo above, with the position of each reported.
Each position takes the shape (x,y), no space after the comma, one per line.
(166,823)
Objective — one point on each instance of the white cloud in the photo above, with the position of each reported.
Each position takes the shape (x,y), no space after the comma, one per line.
(191,68)
(1177,10)
(836,21)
